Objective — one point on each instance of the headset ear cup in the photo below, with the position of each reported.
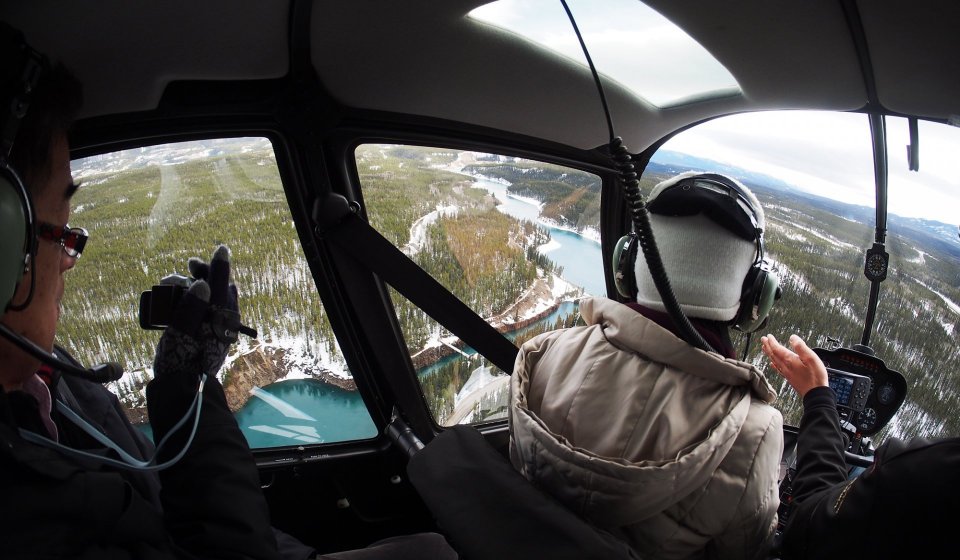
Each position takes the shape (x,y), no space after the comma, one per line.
(770,292)
(16,227)
(761,290)
(624,257)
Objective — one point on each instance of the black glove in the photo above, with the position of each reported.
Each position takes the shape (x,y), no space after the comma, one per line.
(204,324)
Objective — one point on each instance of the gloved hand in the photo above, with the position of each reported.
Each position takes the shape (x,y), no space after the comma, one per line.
(204,323)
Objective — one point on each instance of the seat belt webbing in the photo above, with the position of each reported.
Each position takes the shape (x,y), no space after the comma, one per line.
(360,240)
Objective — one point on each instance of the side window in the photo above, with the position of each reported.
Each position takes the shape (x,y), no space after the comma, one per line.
(148,211)
(921,307)
(516,240)
(813,173)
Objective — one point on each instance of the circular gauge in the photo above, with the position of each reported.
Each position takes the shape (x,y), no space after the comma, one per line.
(876,265)
(868,419)
(886,393)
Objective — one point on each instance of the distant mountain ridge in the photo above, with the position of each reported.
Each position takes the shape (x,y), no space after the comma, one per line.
(925,233)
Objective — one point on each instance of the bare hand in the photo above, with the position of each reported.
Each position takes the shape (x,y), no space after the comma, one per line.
(801,367)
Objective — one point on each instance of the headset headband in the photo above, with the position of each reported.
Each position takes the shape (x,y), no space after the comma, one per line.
(19,74)
(715,196)
(719,198)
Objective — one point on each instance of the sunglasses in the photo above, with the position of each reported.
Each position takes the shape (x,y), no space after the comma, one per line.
(71,239)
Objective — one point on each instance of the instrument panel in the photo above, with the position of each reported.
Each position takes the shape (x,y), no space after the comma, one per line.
(868,395)
(868,392)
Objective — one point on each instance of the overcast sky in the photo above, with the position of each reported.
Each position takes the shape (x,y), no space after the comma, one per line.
(830,154)
(825,153)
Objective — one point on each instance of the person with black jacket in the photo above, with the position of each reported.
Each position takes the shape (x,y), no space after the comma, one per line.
(76,477)
(900,507)
(58,505)
(103,410)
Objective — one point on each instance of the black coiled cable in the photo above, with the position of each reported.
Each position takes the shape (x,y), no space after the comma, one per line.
(638,210)
(648,244)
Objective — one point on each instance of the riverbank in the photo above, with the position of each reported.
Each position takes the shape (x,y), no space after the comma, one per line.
(266,364)
(538,301)
(466,158)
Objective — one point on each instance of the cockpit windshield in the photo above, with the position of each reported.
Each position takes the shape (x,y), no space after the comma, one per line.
(813,173)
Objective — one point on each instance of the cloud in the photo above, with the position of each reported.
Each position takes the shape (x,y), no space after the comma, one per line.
(628,41)
(830,154)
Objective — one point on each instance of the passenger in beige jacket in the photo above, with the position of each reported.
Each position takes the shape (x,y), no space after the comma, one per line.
(674,449)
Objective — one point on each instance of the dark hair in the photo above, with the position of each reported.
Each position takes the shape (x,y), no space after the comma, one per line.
(54,104)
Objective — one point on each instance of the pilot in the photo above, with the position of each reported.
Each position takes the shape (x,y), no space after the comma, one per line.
(673,448)
(64,494)
(901,507)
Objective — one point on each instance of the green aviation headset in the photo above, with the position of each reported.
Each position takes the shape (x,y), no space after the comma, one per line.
(725,202)
(18,74)
(18,245)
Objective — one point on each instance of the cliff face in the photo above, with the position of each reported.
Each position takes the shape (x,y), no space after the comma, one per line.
(263,366)
(258,368)
(433,354)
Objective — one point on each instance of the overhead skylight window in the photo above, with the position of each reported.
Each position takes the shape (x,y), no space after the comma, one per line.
(629,42)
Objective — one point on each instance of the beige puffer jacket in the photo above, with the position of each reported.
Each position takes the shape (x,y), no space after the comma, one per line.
(675,449)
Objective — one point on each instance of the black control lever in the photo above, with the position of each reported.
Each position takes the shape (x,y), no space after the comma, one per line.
(402,435)
(855,460)
(853,440)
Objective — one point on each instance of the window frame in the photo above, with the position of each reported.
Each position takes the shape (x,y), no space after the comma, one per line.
(356,301)
(590,162)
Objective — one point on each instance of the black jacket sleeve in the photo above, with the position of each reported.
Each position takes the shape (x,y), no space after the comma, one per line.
(820,462)
(212,503)
(899,507)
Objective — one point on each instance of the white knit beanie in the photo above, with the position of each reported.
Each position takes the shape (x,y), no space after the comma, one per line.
(705,263)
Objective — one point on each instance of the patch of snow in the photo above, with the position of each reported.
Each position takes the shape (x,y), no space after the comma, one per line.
(789,233)
(303,358)
(591,232)
(524,199)
(785,273)
(950,303)
(418,231)
(832,240)
(479,378)
(843,307)
(551,245)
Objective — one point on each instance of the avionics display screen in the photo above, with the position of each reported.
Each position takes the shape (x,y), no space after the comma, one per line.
(842,386)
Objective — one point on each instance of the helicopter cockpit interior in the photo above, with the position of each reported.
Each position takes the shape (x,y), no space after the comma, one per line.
(411,191)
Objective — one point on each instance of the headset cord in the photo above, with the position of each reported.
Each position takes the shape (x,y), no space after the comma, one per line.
(644,233)
(746,346)
(126,461)
(638,210)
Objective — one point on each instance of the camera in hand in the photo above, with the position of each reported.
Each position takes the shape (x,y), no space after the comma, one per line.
(157,305)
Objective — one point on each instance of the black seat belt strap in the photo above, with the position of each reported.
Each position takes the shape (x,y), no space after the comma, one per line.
(340,223)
